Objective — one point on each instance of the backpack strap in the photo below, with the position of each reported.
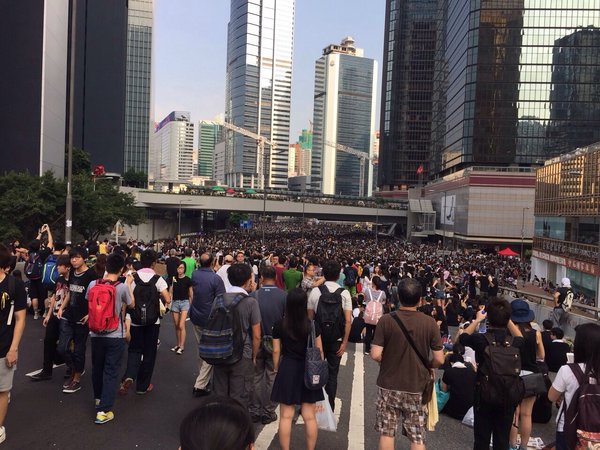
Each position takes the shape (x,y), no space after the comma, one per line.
(323,289)
(581,377)
(409,339)
(12,285)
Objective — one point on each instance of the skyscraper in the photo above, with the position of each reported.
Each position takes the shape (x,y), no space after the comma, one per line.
(515,79)
(173,149)
(138,95)
(33,85)
(209,135)
(411,32)
(100,81)
(258,89)
(344,113)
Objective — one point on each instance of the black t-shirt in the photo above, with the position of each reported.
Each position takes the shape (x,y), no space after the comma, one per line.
(78,284)
(290,347)
(20,303)
(461,385)
(181,288)
(562,295)
(172,265)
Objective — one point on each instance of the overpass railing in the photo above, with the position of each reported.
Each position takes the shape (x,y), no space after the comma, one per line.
(546,300)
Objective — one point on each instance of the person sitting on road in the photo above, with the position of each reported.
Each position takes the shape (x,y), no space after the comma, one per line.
(459,380)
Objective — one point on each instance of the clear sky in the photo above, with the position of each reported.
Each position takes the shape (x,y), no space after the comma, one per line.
(190,45)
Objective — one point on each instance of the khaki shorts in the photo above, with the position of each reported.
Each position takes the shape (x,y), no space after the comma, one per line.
(393,405)
(6,376)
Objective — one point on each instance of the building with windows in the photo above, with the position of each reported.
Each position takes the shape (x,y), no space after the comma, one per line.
(34,85)
(566,242)
(100,82)
(514,82)
(209,135)
(258,90)
(344,113)
(138,90)
(172,156)
(412,28)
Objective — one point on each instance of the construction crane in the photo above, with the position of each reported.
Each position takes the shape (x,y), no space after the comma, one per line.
(362,157)
(260,148)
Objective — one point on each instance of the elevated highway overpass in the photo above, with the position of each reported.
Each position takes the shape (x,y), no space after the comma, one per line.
(297,206)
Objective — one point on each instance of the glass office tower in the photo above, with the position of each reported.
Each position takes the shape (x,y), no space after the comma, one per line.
(406,91)
(517,81)
(258,89)
(209,134)
(138,96)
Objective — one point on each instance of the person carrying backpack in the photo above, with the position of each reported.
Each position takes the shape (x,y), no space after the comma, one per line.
(331,308)
(578,419)
(231,338)
(148,288)
(374,310)
(498,389)
(563,301)
(106,298)
(350,277)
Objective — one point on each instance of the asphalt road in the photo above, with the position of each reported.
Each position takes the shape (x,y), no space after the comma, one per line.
(40,416)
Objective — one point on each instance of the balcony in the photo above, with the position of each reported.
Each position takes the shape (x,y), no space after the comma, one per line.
(582,252)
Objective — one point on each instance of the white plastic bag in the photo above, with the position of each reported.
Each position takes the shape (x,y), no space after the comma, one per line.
(469,418)
(324,414)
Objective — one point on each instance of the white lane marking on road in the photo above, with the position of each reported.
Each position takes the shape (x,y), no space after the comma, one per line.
(344,359)
(267,434)
(356,431)
(336,413)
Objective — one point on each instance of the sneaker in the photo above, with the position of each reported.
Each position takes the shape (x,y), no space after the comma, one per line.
(124,388)
(158,343)
(72,388)
(36,315)
(174,349)
(2,434)
(103,417)
(68,382)
(41,376)
(268,419)
(150,387)
(179,351)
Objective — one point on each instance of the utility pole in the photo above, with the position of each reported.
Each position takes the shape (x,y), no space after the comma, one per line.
(523,233)
(69,203)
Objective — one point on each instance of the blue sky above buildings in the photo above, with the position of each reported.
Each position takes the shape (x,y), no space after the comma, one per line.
(191,45)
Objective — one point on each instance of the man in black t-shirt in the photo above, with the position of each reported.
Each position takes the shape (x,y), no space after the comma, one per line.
(559,313)
(74,314)
(13,301)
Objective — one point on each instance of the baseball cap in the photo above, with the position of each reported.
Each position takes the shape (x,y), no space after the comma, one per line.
(566,282)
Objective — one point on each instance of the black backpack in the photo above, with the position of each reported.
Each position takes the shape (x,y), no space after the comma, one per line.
(221,342)
(583,411)
(330,315)
(350,276)
(33,268)
(147,298)
(499,382)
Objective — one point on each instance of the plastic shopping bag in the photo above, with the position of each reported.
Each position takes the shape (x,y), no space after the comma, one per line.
(469,418)
(325,418)
(442,396)
(432,416)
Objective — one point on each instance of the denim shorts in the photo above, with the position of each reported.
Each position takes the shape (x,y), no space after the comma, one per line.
(178,306)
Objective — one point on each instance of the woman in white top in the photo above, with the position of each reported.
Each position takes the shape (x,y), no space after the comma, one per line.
(587,342)
(373,293)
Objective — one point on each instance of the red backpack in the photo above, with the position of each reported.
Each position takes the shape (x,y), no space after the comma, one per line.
(102,317)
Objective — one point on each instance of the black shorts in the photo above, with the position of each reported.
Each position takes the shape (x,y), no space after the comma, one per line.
(37,290)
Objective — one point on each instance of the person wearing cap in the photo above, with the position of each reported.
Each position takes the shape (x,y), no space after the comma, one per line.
(73,313)
(559,312)
(531,351)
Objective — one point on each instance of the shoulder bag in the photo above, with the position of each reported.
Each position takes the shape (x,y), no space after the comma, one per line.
(316,370)
(428,390)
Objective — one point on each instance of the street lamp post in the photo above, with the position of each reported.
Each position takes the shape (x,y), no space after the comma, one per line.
(69,199)
(523,232)
(303,199)
(264,215)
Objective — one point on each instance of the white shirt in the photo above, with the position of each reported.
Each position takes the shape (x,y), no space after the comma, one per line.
(145,275)
(222,272)
(315,294)
(566,383)
(236,290)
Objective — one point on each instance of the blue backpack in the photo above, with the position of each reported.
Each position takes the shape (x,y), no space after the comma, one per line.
(49,272)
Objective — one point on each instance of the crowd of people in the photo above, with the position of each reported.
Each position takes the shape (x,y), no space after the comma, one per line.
(254,303)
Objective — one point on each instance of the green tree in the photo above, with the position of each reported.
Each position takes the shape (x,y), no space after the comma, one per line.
(97,208)
(132,178)
(81,161)
(236,217)
(27,202)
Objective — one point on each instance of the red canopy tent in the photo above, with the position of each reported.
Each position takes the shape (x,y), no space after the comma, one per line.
(507,252)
